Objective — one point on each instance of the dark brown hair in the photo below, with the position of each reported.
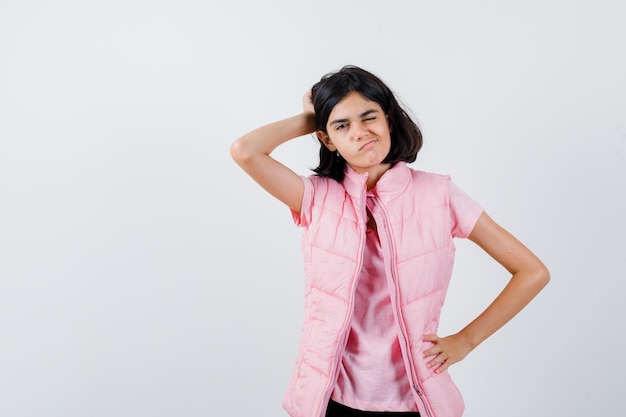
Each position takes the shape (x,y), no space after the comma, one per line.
(406,137)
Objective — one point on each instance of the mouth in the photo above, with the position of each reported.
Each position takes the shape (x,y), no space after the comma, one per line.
(367,145)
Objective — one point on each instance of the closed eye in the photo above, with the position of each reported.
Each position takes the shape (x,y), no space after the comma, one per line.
(368,115)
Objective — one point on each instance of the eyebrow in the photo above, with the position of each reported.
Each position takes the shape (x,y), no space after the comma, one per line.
(364,114)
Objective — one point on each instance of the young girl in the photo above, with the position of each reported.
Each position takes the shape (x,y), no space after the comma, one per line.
(378,252)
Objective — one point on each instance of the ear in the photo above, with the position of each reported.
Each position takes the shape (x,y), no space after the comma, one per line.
(325,139)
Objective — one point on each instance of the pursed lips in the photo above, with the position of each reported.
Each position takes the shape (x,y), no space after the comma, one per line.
(367,144)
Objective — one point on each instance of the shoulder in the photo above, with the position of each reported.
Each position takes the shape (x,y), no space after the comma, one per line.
(424,178)
(321,189)
(428,176)
(321,195)
(434,186)
(322,183)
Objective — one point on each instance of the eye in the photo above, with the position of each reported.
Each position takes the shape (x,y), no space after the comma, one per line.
(370,118)
(341,126)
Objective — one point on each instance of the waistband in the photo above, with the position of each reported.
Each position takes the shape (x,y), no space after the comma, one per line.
(339,410)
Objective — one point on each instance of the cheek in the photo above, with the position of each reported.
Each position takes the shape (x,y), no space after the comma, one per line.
(389,141)
(387,135)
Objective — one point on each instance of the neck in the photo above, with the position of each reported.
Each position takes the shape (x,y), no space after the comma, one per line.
(375,173)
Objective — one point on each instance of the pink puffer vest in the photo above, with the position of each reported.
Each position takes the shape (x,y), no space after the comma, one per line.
(418,214)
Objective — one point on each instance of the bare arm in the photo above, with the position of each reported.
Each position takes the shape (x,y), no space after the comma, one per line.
(252,153)
(529,276)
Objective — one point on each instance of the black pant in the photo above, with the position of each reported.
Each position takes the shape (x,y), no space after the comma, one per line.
(339,410)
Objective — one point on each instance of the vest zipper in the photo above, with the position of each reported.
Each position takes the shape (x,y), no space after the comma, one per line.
(403,337)
(341,345)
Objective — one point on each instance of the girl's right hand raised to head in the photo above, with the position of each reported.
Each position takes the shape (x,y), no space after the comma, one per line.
(307,103)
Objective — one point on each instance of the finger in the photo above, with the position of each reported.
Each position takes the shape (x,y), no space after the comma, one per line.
(434,339)
(437,360)
(445,365)
(435,350)
(432,363)
(431,337)
(431,352)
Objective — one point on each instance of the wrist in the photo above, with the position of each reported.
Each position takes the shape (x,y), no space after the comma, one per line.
(468,339)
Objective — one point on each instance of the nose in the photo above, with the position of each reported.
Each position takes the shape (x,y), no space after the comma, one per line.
(360,131)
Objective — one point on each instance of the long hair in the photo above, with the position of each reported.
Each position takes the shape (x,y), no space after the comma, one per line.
(406,137)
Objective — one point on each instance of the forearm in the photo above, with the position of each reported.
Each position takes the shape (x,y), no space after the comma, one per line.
(252,153)
(521,289)
(263,140)
(528,277)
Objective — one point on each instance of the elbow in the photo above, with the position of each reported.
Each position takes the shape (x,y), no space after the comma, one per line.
(542,276)
(546,276)
(535,274)
(239,152)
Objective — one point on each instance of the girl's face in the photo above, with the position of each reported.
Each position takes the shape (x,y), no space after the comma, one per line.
(359,130)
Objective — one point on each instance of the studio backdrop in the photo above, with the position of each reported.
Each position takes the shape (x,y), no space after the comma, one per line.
(142,273)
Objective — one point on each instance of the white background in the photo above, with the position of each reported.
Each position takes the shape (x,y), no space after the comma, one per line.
(143,274)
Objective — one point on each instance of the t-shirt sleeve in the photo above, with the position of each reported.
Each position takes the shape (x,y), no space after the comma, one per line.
(303,218)
(464,211)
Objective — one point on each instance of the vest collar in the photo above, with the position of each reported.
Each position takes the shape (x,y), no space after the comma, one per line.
(392,183)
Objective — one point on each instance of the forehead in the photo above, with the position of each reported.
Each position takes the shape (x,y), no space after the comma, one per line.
(353,104)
